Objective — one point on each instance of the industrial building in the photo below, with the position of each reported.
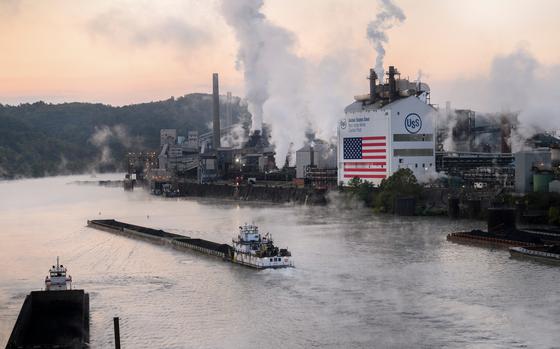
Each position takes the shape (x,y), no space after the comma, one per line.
(203,159)
(465,131)
(317,154)
(390,128)
(533,170)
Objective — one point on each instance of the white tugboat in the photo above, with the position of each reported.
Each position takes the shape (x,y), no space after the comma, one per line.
(254,250)
(57,279)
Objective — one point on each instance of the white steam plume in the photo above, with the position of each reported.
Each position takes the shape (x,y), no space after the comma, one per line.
(274,76)
(389,15)
(518,84)
(290,93)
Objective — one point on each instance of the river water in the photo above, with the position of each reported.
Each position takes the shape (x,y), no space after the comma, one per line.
(361,280)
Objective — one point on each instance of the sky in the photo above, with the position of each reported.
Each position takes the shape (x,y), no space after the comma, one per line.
(129,51)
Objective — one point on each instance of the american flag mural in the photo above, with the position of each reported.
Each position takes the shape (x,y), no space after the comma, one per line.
(365,157)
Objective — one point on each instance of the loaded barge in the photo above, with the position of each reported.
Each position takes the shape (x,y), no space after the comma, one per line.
(250,248)
(55,318)
(502,232)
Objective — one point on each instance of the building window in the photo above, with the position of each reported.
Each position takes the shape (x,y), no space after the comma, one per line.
(413,152)
(271,259)
(416,165)
(420,137)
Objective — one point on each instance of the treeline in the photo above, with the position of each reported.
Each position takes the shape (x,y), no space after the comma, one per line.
(402,183)
(48,139)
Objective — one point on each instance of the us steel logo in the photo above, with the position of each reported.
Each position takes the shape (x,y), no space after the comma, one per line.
(413,123)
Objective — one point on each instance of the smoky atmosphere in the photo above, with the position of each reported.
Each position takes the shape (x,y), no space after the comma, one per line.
(264,173)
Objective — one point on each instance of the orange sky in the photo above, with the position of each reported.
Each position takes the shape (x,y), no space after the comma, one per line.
(129,51)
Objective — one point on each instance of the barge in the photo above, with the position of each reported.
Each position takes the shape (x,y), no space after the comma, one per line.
(249,249)
(57,317)
(479,237)
(540,253)
(502,232)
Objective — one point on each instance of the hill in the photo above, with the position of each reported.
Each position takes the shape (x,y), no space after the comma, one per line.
(49,139)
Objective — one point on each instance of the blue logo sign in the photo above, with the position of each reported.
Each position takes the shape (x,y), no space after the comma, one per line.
(413,123)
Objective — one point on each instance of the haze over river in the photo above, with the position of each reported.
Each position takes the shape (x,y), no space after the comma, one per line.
(361,281)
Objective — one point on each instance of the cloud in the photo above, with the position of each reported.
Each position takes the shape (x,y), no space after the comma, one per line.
(123,26)
(9,7)
(517,83)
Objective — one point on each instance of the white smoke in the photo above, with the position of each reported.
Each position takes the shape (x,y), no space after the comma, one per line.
(275,77)
(518,84)
(235,137)
(284,90)
(104,134)
(389,15)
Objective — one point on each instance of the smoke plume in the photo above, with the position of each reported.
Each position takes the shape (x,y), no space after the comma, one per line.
(518,85)
(286,91)
(389,15)
(104,135)
(275,78)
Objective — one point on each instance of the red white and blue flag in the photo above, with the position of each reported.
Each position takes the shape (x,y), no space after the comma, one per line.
(365,157)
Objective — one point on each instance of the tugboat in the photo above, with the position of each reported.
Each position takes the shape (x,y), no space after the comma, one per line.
(57,279)
(254,250)
(57,317)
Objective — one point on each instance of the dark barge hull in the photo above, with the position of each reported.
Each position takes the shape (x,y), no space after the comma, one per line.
(224,251)
(472,239)
(52,319)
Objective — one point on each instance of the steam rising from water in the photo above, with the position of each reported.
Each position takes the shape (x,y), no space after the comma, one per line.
(389,15)
(102,137)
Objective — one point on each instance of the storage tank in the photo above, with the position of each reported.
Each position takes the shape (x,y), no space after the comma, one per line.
(541,181)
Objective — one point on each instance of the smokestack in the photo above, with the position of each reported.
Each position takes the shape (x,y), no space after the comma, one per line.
(216,110)
(505,128)
(392,82)
(372,81)
(228,110)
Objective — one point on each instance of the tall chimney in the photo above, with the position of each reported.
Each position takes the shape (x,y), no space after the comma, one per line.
(228,110)
(392,82)
(372,80)
(216,111)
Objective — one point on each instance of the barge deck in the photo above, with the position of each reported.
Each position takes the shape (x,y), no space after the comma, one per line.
(52,319)
(211,248)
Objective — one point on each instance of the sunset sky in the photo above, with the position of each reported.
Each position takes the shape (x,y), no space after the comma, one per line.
(128,51)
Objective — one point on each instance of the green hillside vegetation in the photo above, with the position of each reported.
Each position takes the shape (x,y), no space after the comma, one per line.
(49,139)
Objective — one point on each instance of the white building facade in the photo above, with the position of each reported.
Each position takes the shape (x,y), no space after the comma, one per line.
(375,140)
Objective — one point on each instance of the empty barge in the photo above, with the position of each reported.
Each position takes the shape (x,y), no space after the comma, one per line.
(258,253)
(540,253)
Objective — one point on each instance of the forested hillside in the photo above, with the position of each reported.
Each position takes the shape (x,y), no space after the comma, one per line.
(48,139)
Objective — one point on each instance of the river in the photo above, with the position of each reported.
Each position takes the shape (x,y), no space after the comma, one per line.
(361,280)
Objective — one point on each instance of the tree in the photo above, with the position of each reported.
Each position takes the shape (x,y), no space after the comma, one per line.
(363,190)
(401,183)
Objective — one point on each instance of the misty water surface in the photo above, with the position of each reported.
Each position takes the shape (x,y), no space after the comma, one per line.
(360,281)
